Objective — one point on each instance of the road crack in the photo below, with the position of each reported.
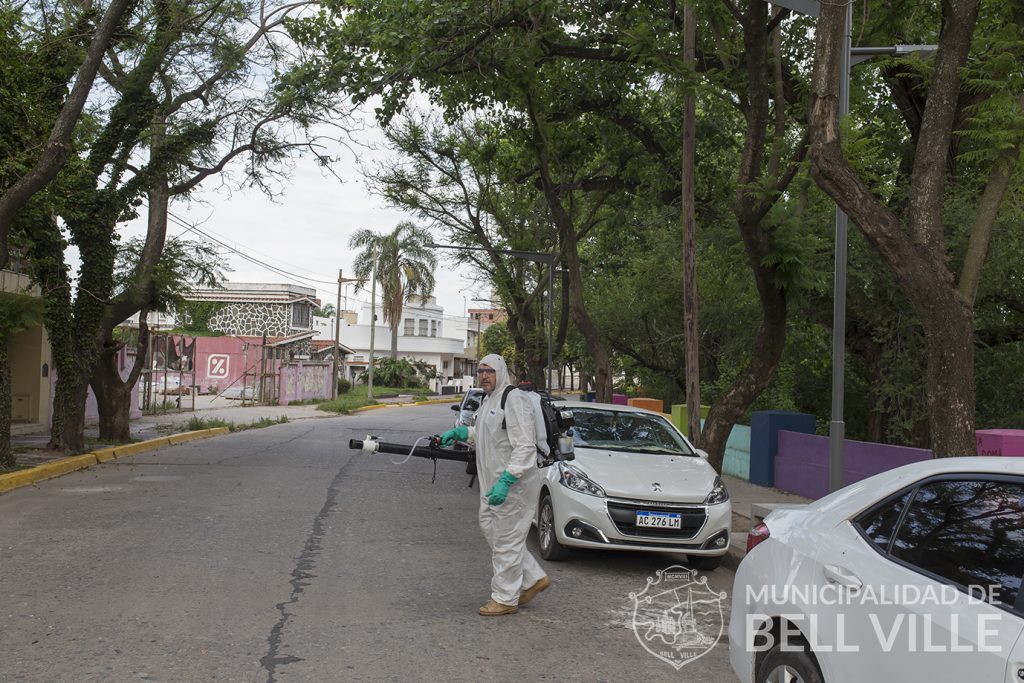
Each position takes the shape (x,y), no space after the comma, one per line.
(301,577)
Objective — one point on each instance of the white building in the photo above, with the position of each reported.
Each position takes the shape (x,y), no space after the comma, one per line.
(445,342)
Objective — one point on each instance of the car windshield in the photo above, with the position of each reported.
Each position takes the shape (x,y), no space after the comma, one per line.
(472,400)
(616,430)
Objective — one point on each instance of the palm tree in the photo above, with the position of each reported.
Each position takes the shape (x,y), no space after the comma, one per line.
(405,268)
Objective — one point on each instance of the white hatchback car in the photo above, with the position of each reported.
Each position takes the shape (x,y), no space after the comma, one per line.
(911,575)
(636,484)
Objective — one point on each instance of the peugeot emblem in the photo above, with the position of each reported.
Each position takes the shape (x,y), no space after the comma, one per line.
(656,486)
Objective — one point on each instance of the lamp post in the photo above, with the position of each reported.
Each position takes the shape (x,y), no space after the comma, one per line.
(536,256)
(848,56)
(373,325)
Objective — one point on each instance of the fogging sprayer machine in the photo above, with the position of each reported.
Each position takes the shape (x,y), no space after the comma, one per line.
(558,425)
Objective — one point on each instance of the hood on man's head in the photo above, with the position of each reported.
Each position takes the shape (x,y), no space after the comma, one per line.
(495,361)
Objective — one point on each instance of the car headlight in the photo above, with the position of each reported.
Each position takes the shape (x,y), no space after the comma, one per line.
(718,494)
(573,478)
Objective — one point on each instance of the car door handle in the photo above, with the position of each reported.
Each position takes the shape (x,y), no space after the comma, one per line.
(842,577)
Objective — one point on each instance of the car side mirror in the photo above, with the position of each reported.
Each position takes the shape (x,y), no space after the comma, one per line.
(455,407)
(702,453)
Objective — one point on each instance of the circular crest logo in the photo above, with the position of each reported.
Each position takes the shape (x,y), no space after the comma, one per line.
(677,617)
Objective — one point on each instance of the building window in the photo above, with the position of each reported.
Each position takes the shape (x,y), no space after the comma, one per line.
(423,327)
(302,316)
(433,328)
(410,327)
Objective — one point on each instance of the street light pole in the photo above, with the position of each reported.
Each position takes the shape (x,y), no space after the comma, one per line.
(837,427)
(373,324)
(337,336)
(848,56)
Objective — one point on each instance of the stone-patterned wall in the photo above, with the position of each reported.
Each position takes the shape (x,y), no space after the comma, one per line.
(303,347)
(252,320)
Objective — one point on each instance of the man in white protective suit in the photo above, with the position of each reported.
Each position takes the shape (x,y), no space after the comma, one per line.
(506,460)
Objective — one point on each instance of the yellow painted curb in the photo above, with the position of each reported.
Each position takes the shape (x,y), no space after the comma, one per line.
(198,434)
(140,447)
(373,407)
(45,471)
(438,401)
(56,468)
(105,455)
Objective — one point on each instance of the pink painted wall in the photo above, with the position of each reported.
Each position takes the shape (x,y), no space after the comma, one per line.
(1004,442)
(92,414)
(221,361)
(303,380)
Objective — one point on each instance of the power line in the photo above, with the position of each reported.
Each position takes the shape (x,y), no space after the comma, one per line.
(293,278)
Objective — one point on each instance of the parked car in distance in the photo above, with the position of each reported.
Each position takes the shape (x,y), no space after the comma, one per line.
(635,484)
(467,408)
(910,575)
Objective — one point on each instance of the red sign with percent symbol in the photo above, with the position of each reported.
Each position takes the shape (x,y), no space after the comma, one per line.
(217,365)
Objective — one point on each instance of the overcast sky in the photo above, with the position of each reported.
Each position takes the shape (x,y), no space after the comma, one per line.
(306,230)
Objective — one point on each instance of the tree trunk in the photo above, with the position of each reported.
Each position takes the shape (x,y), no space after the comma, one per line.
(113,399)
(690,326)
(567,236)
(394,340)
(73,396)
(114,394)
(749,208)
(912,247)
(6,454)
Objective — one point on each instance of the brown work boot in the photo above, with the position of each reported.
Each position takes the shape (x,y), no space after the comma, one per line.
(531,592)
(497,609)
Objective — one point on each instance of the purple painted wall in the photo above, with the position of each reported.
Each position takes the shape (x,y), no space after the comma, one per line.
(304,380)
(1004,442)
(801,465)
(620,399)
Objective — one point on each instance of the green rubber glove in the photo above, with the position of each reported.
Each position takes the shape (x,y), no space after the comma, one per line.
(460,433)
(499,492)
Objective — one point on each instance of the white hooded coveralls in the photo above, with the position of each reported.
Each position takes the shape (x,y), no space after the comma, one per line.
(514,449)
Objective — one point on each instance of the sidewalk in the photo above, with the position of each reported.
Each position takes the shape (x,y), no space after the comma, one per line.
(744,495)
(31,439)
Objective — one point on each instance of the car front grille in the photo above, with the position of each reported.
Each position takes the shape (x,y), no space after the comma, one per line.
(623,515)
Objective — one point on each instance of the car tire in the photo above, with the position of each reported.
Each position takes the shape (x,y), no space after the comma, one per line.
(704,562)
(795,665)
(547,539)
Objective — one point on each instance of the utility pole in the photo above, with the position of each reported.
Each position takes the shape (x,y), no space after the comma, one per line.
(373,323)
(690,327)
(337,333)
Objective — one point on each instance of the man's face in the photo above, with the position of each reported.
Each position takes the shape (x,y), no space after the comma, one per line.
(486,377)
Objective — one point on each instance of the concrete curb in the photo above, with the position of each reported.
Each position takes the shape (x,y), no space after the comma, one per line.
(49,470)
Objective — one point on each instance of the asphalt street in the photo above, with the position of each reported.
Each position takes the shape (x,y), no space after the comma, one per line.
(281,555)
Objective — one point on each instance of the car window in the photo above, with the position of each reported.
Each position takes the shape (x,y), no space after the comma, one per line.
(879,524)
(624,431)
(968,531)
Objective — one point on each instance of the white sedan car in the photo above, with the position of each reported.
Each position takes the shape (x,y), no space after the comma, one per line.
(636,484)
(911,575)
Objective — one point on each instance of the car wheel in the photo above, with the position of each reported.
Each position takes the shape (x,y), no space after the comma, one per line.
(704,562)
(550,548)
(796,665)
